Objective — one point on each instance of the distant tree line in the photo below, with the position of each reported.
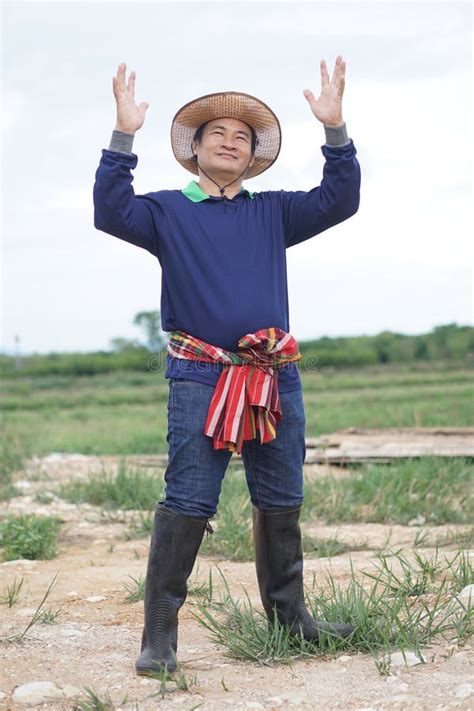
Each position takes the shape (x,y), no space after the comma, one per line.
(449,342)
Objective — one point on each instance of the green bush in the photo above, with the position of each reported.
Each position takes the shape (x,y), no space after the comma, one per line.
(29,536)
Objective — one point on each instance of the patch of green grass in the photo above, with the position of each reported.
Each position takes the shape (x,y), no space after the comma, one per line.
(93,702)
(232,538)
(125,412)
(435,488)
(49,616)
(385,617)
(14,450)
(463,539)
(202,590)
(128,489)
(29,536)
(141,528)
(44,497)
(328,547)
(135,590)
(12,593)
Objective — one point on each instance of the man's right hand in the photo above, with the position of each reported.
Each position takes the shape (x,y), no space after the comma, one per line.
(130,117)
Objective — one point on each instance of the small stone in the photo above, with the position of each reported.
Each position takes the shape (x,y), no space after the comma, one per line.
(418,521)
(408,659)
(20,561)
(463,691)
(36,692)
(95,598)
(92,516)
(344,658)
(171,685)
(23,484)
(467,595)
(2,695)
(254,705)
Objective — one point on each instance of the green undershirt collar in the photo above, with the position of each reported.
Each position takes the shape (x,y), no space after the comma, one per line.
(195,193)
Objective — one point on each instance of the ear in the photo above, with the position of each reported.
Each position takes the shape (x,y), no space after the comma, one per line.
(194,145)
(252,161)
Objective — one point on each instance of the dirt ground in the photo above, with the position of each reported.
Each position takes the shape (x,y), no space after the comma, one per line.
(96,641)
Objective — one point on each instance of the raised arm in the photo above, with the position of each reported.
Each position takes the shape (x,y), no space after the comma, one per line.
(306,214)
(117,210)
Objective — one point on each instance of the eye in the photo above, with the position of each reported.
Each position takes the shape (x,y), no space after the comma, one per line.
(218,132)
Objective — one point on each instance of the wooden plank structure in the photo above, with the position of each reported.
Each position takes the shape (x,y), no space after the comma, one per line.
(356,444)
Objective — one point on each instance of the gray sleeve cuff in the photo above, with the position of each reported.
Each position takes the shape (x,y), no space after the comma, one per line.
(336,135)
(121,142)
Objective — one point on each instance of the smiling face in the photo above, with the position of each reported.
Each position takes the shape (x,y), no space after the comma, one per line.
(225,148)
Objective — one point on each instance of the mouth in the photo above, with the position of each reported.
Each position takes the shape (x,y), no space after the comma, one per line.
(226,155)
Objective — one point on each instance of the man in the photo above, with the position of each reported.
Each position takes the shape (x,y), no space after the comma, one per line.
(231,361)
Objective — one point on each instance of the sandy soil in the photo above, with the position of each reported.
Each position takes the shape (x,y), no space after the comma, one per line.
(95,642)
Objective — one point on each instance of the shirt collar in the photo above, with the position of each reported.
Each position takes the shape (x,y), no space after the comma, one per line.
(195,193)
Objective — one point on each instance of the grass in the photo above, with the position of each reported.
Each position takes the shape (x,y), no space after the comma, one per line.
(125,413)
(135,589)
(14,450)
(49,616)
(431,490)
(40,615)
(392,611)
(200,590)
(93,702)
(29,536)
(435,488)
(128,489)
(12,593)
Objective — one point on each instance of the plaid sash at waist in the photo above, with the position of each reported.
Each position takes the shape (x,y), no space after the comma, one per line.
(246,395)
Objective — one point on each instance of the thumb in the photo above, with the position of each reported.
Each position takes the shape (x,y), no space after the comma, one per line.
(144,105)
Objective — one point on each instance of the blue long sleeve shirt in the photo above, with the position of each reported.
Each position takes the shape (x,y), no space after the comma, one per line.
(223,262)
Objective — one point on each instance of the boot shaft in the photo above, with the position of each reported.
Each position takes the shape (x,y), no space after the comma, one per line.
(174,545)
(279,559)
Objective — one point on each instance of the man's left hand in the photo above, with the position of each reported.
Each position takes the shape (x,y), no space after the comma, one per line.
(328,108)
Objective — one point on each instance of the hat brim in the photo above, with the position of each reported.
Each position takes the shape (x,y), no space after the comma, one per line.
(227,104)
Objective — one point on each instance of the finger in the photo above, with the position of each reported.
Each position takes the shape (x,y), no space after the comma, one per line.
(324,73)
(121,75)
(311,99)
(341,86)
(131,83)
(340,82)
(337,70)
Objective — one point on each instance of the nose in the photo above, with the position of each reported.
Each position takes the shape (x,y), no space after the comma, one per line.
(228,147)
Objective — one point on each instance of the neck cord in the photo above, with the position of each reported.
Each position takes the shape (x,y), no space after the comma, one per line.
(222,188)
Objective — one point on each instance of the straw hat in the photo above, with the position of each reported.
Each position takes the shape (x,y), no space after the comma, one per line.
(227,104)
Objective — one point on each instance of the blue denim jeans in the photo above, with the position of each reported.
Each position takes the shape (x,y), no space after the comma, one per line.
(274,470)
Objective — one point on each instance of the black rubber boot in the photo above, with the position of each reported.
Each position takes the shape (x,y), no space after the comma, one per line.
(174,545)
(279,565)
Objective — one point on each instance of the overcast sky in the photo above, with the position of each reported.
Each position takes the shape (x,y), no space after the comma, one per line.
(402,263)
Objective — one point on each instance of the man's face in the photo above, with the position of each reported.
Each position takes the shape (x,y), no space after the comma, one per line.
(225,147)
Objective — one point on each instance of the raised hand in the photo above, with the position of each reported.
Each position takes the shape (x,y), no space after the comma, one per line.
(328,108)
(130,117)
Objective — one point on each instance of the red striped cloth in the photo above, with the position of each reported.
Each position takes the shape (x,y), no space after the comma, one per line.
(246,395)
